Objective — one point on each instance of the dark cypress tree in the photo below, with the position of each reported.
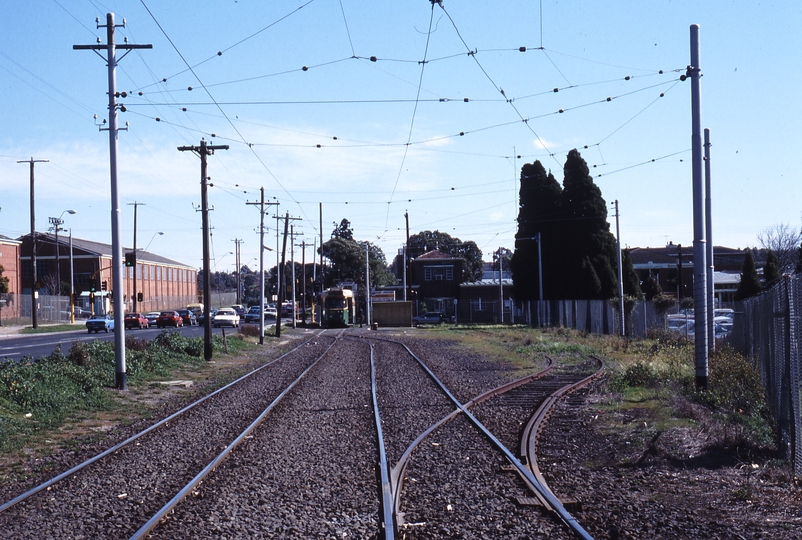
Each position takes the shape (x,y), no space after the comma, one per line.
(651,288)
(750,282)
(538,208)
(631,281)
(587,233)
(771,270)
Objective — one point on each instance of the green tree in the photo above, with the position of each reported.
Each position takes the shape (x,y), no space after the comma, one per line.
(771,269)
(651,289)
(587,232)
(750,282)
(538,214)
(3,281)
(343,230)
(469,252)
(576,241)
(630,277)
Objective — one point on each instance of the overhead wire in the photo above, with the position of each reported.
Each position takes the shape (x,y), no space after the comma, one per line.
(414,112)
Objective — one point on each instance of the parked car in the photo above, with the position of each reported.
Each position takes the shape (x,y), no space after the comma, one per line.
(240,310)
(430,317)
(135,320)
(188,316)
(201,317)
(96,323)
(151,316)
(253,315)
(169,318)
(226,317)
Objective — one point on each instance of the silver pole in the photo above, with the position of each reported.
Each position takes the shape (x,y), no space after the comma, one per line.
(367,283)
(72,284)
(699,251)
(262,270)
(116,246)
(621,318)
(711,299)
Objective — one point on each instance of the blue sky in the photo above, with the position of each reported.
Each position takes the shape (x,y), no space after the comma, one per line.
(371,140)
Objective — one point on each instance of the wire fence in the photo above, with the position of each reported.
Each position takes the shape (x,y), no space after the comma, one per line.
(767,329)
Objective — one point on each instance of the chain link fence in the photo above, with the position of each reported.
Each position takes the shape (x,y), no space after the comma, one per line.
(767,330)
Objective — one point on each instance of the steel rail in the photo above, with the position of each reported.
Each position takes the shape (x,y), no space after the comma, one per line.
(388,516)
(556,506)
(154,521)
(400,468)
(116,447)
(538,420)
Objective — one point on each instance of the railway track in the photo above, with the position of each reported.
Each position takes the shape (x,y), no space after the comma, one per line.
(349,437)
(114,492)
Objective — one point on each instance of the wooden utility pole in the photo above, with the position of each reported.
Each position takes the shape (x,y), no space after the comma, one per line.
(205,150)
(34,311)
(262,249)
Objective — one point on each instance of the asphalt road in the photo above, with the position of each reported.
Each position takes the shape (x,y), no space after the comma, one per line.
(18,346)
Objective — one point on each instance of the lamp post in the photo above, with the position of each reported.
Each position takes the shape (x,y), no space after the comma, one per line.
(56,224)
(72,284)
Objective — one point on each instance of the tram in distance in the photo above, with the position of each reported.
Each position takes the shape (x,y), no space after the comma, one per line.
(338,308)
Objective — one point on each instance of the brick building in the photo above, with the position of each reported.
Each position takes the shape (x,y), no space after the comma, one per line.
(164,283)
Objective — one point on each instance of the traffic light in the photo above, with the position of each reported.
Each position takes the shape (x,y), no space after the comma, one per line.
(139,297)
(130,258)
(104,286)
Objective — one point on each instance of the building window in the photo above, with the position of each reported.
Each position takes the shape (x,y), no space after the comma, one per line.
(450,273)
(427,273)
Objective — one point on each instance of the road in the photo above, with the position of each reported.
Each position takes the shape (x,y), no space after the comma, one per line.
(18,346)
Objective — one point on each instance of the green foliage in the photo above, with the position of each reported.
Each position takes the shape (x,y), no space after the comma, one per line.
(630,277)
(662,303)
(652,290)
(750,282)
(771,269)
(40,394)
(3,281)
(343,230)
(578,251)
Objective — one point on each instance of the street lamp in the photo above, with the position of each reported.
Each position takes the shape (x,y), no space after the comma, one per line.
(160,233)
(56,224)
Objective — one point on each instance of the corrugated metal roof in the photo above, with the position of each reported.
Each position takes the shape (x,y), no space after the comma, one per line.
(100,249)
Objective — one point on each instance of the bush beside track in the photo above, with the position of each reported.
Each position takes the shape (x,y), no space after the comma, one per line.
(38,395)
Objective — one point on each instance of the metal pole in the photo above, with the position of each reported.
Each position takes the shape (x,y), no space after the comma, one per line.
(292,264)
(539,270)
(500,290)
(58,262)
(262,270)
(711,299)
(116,246)
(72,284)
(699,251)
(621,319)
(367,283)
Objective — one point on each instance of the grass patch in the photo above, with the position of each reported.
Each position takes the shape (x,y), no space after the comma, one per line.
(37,397)
(651,379)
(48,328)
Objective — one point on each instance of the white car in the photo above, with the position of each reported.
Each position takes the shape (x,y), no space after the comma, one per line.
(226,317)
